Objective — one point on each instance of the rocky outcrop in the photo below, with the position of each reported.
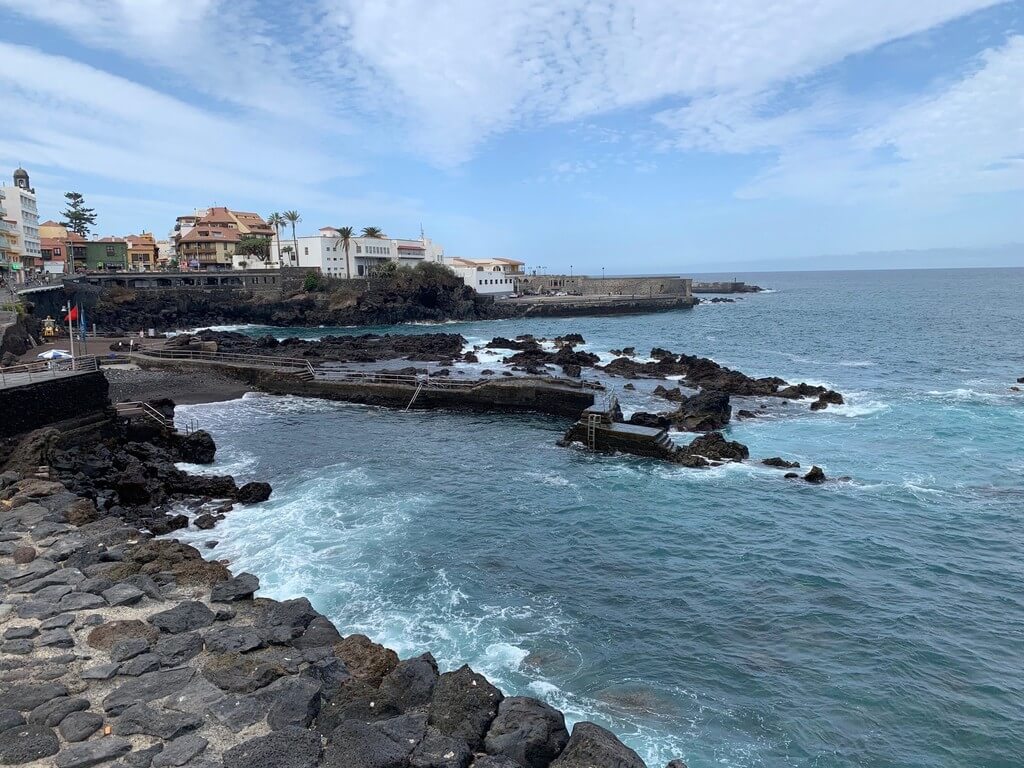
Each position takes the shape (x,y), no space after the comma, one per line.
(121,647)
(364,348)
(703,412)
(715,447)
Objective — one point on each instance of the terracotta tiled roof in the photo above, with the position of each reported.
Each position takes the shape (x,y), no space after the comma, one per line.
(217,215)
(203,234)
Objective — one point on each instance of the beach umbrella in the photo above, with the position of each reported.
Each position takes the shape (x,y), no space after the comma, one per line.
(54,354)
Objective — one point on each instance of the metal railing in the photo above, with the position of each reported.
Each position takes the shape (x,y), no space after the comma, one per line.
(304,369)
(43,370)
(136,408)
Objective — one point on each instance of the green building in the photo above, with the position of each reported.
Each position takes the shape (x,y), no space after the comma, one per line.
(109,255)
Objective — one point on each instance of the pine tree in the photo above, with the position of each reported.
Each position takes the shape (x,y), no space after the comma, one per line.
(77,217)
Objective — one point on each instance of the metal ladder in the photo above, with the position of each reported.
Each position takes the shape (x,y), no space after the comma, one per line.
(419,387)
(592,420)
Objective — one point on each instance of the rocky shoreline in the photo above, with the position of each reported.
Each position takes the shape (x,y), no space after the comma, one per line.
(121,649)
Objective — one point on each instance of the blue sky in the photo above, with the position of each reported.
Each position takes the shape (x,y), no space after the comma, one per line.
(640,136)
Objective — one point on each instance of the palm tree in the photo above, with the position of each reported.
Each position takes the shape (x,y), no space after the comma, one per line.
(345,235)
(276,220)
(293,218)
(373,232)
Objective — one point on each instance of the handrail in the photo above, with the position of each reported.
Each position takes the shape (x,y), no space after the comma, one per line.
(49,369)
(130,408)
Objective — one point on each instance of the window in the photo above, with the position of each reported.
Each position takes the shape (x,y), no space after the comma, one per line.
(307,251)
(359,249)
(110,250)
(360,270)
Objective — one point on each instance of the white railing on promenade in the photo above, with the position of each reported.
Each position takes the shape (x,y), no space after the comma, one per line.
(42,370)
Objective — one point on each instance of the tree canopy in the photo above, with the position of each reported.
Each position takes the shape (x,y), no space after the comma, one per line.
(77,217)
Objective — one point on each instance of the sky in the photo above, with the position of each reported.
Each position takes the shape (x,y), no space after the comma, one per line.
(640,136)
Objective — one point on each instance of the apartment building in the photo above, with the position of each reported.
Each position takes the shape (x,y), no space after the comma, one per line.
(326,251)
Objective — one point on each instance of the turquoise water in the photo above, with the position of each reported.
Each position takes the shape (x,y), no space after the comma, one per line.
(726,616)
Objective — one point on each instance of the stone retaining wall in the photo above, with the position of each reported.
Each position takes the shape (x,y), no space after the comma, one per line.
(34,405)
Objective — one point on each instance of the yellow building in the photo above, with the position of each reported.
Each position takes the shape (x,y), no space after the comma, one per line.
(143,254)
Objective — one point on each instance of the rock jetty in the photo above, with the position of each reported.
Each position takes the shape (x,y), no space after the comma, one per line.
(122,649)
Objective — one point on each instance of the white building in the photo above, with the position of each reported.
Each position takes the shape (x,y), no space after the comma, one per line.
(326,251)
(490,277)
(20,204)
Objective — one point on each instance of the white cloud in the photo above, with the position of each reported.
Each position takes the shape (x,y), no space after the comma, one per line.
(225,49)
(966,138)
(85,121)
(458,72)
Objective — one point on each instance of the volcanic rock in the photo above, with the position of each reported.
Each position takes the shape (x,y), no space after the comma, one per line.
(527,730)
(464,704)
(591,745)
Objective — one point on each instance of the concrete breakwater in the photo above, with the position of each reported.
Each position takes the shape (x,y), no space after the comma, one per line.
(122,649)
(722,286)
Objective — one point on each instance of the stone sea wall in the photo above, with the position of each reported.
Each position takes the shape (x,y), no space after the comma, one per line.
(48,401)
(124,650)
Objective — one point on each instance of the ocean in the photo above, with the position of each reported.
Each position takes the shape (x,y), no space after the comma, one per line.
(725,616)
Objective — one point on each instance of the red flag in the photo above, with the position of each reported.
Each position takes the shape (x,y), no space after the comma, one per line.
(73,314)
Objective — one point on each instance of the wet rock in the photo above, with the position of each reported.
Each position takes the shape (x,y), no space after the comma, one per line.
(791,476)
(590,745)
(816,476)
(26,743)
(676,764)
(240,587)
(654,420)
(146,688)
(53,712)
(743,413)
(715,447)
(354,743)
(527,730)
(183,617)
(23,555)
(703,412)
(180,751)
(780,463)
(366,659)
(79,726)
(24,697)
(411,683)
(197,448)
(463,704)
(288,748)
(205,522)
(253,493)
(143,719)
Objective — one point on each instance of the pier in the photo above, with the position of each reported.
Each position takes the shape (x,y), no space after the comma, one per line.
(601,429)
(299,376)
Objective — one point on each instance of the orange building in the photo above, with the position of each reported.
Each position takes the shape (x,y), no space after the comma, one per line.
(143,254)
